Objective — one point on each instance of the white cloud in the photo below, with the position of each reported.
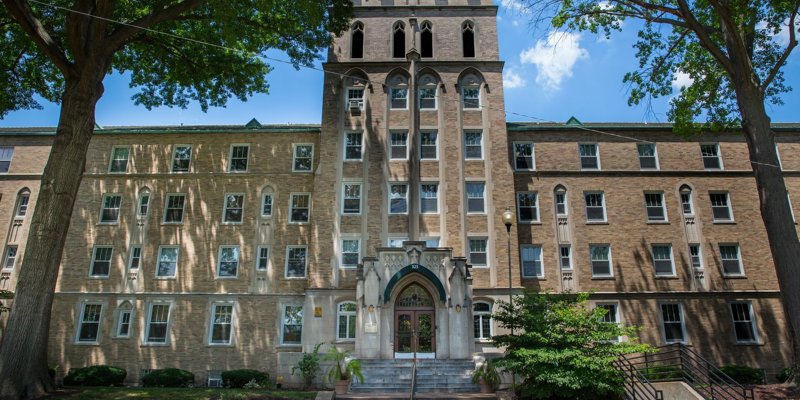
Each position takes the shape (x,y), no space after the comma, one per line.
(515,23)
(512,80)
(554,58)
(515,6)
(681,79)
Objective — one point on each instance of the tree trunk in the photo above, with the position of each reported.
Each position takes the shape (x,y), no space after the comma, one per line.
(775,210)
(23,351)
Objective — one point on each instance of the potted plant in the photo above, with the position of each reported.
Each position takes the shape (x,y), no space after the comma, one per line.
(345,367)
(487,376)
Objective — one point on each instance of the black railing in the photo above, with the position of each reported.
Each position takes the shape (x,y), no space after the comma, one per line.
(676,362)
(636,385)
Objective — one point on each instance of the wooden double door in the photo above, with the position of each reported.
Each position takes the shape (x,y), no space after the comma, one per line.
(414,324)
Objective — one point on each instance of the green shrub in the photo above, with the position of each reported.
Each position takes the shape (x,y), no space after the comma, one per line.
(237,378)
(743,374)
(786,374)
(168,377)
(96,375)
(663,373)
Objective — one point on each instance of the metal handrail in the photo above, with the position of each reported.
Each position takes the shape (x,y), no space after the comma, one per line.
(635,384)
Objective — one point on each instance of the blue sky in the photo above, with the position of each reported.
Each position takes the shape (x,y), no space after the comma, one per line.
(548,76)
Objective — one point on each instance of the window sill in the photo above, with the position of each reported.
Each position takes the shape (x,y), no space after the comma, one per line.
(155,344)
(596,222)
(232,223)
(86,343)
(602,278)
(237,172)
(171,223)
(115,223)
(301,172)
(353,160)
(294,278)
(99,277)
(530,222)
(474,159)
(657,222)
(724,222)
(345,341)
(429,160)
(351,214)
(667,277)
(747,344)
(289,346)
(734,276)
(298,223)
(476,214)
(480,267)
(536,278)
(226,278)
(222,345)
(166,278)
(349,268)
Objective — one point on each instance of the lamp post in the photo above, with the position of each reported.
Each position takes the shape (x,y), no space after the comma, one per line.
(508,220)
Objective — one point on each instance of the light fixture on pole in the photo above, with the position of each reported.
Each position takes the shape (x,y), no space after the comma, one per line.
(508,220)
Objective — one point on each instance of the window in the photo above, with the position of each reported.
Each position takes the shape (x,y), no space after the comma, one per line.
(109,211)
(426,37)
(686,201)
(532,262)
(296,261)
(471,98)
(89,325)
(399,98)
(662,260)
(266,205)
(6,153)
(432,242)
(399,40)
(101,261)
(565,257)
(672,323)
(731,260)
(124,318)
(233,211)
(744,326)
(292,325)
(167,262)
(560,196)
(396,242)
(527,207)
(143,206)
(22,203)
(173,208)
(427,98)
(351,203)
(182,157)
(357,41)
(135,258)
(473,145)
(157,323)
(398,198)
(595,208)
(213,379)
(351,253)
(10,257)
(476,197)
(238,158)
(429,198)
(303,156)
(524,159)
(398,146)
(654,205)
(720,207)
(648,159)
(300,208)
(228,265)
(696,256)
(468,39)
(262,258)
(711,156)
(477,252)
(352,146)
(610,315)
(600,257)
(482,320)
(119,160)
(588,155)
(346,321)
(428,150)
(221,324)
(355,99)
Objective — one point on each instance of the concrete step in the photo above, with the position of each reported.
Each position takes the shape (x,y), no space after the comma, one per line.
(433,376)
(417,396)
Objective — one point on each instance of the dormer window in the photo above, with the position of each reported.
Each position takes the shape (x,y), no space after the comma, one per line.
(357,41)
(426,36)
(399,40)
(468,38)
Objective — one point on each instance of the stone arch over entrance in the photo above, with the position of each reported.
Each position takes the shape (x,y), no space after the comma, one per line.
(407,271)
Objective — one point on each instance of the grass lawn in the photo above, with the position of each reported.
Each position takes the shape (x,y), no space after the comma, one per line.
(131,393)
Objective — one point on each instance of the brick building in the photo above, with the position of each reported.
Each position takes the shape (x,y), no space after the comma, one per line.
(211,248)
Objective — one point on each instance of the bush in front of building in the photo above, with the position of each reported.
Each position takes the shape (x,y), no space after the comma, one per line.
(238,378)
(663,373)
(788,373)
(96,375)
(743,374)
(308,366)
(562,348)
(168,377)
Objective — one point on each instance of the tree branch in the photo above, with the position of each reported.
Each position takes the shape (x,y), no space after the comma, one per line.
(22,13)
(77,24)
(789,47)
(126,32)
(704,38)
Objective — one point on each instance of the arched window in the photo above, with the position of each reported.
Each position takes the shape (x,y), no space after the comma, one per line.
(468,38)
(426,36)
(143,205)
(686,200)
(357,41)
(23,198)
(427,92)
(267,202)
(399,40)
(560,195)
(124,320)
(346,321)
(471,91)
(482,318)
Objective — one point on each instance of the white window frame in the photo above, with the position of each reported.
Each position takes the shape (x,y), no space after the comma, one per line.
(177,261)
(400,239)
(264,196)
(728,205)
(7,257)
(596,156)
(663,207)
(342,252)
(124,308)
(148,322)
(701,262)
(22,205)
(94,259)
(482,198)
(435,145)
(741,272)
(535,207)
(132,256)
(516,156)
(81,321)
(480,145)
(238,252)
(391,98)
(127,160)
(259,257)
(655,156)
(212,323)
(348,99)
(230,158)
(310,169)
(141,202)
(565,203)
(464,98)
(485,251)
(603,206)
(435,89)
(483,336)
(291,208)
(305,262)
(174,158)
(718,156)
(752,320)
(166,208)
(389,200)
(283,324)
(438,205)
(671,260)
(610,261)
(225,209)
(522,248)
(346,144)
(6,156)
(348,314)
(688,194)
(616,315)
(103,204)
(392,145)
(568,257)
(682,316)
(429,241)
(360,197)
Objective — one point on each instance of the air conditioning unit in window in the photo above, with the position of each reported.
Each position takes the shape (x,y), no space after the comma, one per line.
(215,382)
(354,105)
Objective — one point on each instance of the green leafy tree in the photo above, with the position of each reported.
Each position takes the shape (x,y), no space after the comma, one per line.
(734,52)
(62,50)
(562,348)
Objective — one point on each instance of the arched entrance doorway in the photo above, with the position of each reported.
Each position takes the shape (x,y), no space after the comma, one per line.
(414,323)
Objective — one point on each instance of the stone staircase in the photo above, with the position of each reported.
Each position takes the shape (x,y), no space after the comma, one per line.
(394,376)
